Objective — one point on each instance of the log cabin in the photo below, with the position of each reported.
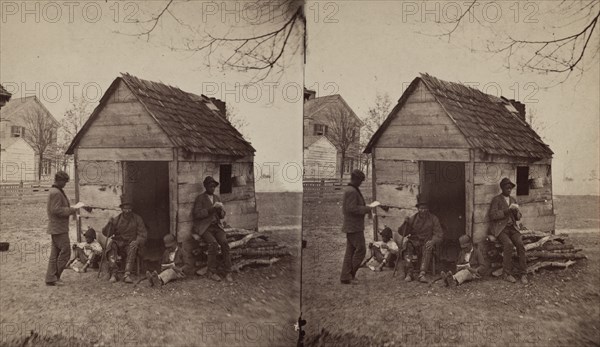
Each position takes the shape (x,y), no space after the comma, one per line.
(156,143)
(453,144)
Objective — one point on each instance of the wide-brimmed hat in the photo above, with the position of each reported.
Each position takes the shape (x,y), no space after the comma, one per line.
(358,174)
(506,181)
(209,180)
(421,201)
(169,240)
(465,241)
(126,200)
(61,176)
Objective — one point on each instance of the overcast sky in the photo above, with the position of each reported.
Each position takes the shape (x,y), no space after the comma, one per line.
(355,48)
(364,47)
(58,49)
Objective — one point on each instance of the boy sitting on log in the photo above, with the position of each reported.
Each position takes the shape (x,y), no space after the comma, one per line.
(171,265)
(383,251)
(85,253)
(471,264)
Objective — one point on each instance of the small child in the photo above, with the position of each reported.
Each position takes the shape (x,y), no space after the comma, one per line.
(171,264)
(382,251)
(85,253)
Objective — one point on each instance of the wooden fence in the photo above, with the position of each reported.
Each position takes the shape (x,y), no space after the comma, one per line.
(29,192)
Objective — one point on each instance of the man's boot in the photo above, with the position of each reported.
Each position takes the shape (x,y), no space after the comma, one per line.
(112,278)
(422,277)
(127,278)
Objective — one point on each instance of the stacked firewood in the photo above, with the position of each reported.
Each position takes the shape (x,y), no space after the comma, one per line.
(247,248)
(543,250)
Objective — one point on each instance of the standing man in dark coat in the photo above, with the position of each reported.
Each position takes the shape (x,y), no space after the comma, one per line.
(208,213)
(354,210)
(127,233)
(504,214)
(59,210)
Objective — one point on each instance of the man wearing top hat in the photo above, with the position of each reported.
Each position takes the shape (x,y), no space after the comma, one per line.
(354,210)
(424,232)
(504,214)
(127,233)
(59,210)
(208,212)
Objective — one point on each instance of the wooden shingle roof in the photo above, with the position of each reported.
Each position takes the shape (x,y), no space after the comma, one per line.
(489,123)
(191,121)
(4,94)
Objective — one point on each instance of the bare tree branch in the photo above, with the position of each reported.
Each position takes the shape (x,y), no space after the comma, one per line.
(40,133)
(343,132)
(278,30)
(556,55)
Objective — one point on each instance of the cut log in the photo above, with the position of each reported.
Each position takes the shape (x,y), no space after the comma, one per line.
(243,241)
(238,266)
(250,252)
(534,267)
(572,250)
(252,244)
(537,244)
(552,247)
(552,255)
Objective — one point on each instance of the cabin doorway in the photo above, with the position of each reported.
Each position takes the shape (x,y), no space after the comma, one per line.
(147,183)
(443,185)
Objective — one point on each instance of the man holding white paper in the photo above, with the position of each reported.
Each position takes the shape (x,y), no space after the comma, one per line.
(354,210)
(59,211)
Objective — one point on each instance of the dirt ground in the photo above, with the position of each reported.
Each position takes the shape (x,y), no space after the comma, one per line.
(557,308)
(258,309)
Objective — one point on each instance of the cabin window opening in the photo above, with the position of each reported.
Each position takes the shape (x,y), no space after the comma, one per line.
(225,179)
(17,131)
(320,130)
(522,180)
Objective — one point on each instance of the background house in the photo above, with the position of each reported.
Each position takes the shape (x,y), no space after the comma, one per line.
(4,96)
(331,117)
(320,158)
(14,124)
(453,144)
(157,143)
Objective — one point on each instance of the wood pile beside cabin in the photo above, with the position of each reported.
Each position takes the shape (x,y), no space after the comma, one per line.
(247,248)
(543,250)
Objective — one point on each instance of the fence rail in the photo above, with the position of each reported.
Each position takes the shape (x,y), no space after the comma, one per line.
(28,192)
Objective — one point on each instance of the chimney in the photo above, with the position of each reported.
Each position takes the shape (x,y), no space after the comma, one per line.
(309,94)
(520,108)
(221,105)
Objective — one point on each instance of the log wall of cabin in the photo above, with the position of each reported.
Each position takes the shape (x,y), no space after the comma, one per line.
(320,160)
(99,185)
(422,123)
(537,207)
(420,131)
(123,122)
(396,184)
(240,204)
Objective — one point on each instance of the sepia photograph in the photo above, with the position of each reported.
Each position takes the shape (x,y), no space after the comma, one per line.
(451,174)
(151,173)
(299,173)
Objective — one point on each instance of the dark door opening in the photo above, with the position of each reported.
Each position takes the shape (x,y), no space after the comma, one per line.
(147,182)
(443,185)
